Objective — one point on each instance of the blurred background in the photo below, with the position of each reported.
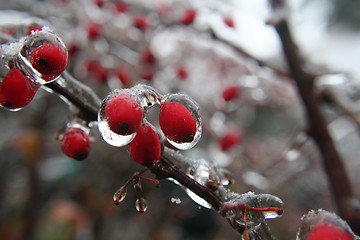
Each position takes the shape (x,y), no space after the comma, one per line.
(228,60)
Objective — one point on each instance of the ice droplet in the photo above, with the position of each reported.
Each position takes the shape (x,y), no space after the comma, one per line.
(119,195)
(201,174)
(141,205)
(194,111)
(175,200)
(145,95)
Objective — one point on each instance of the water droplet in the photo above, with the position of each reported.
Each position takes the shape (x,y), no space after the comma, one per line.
(194,111)
(267,201)
(197,199)
(175,200)
(141,205)
(226,177)
(146,95)
(43,57)
(119,195)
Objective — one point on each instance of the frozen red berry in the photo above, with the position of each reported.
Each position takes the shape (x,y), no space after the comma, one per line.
(15,90)
(230,93)
(145,148)
(123,114)
(177,123)
(188,16)
(75,143)
(50,60)
(326,230)
(230,140)
(141,22)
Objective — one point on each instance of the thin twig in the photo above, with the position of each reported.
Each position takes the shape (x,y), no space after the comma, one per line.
(332,161)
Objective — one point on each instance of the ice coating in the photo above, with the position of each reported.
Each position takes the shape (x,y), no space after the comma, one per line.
(109,135)
(119,195)
(325,225)
(141,205)
(193,109)
(43,56)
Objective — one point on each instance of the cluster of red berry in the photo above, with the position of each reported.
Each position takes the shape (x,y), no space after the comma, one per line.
(42,58)
(123,121)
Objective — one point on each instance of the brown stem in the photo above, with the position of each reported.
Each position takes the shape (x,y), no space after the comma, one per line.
(332,162)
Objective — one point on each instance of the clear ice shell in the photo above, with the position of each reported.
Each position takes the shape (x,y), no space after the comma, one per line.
(313,217)
(253,217)
(32,41)
(141,205)
(145,95)
(195,112)
(201,174)
(108,135)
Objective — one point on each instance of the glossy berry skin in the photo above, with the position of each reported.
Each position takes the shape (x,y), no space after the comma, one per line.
(50,60)
(75,144)
(188,16)
(230,140)
(328,231)
(177,123)
(123,114)
(145,148)
(15,90)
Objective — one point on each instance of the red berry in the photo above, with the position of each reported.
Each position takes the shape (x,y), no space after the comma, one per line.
(188,16)
(50,60)
(94,30)
(328,231)
(34,29)
(97,70)
(15,90)
(75,144)
(177,123)
(141,22)
(99,3)
(123,114)
(145,148)
(181,72)
(230,93)
(230,140)
(122,7)
(147,74)
(124,75)
(229,22)
(148,57)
